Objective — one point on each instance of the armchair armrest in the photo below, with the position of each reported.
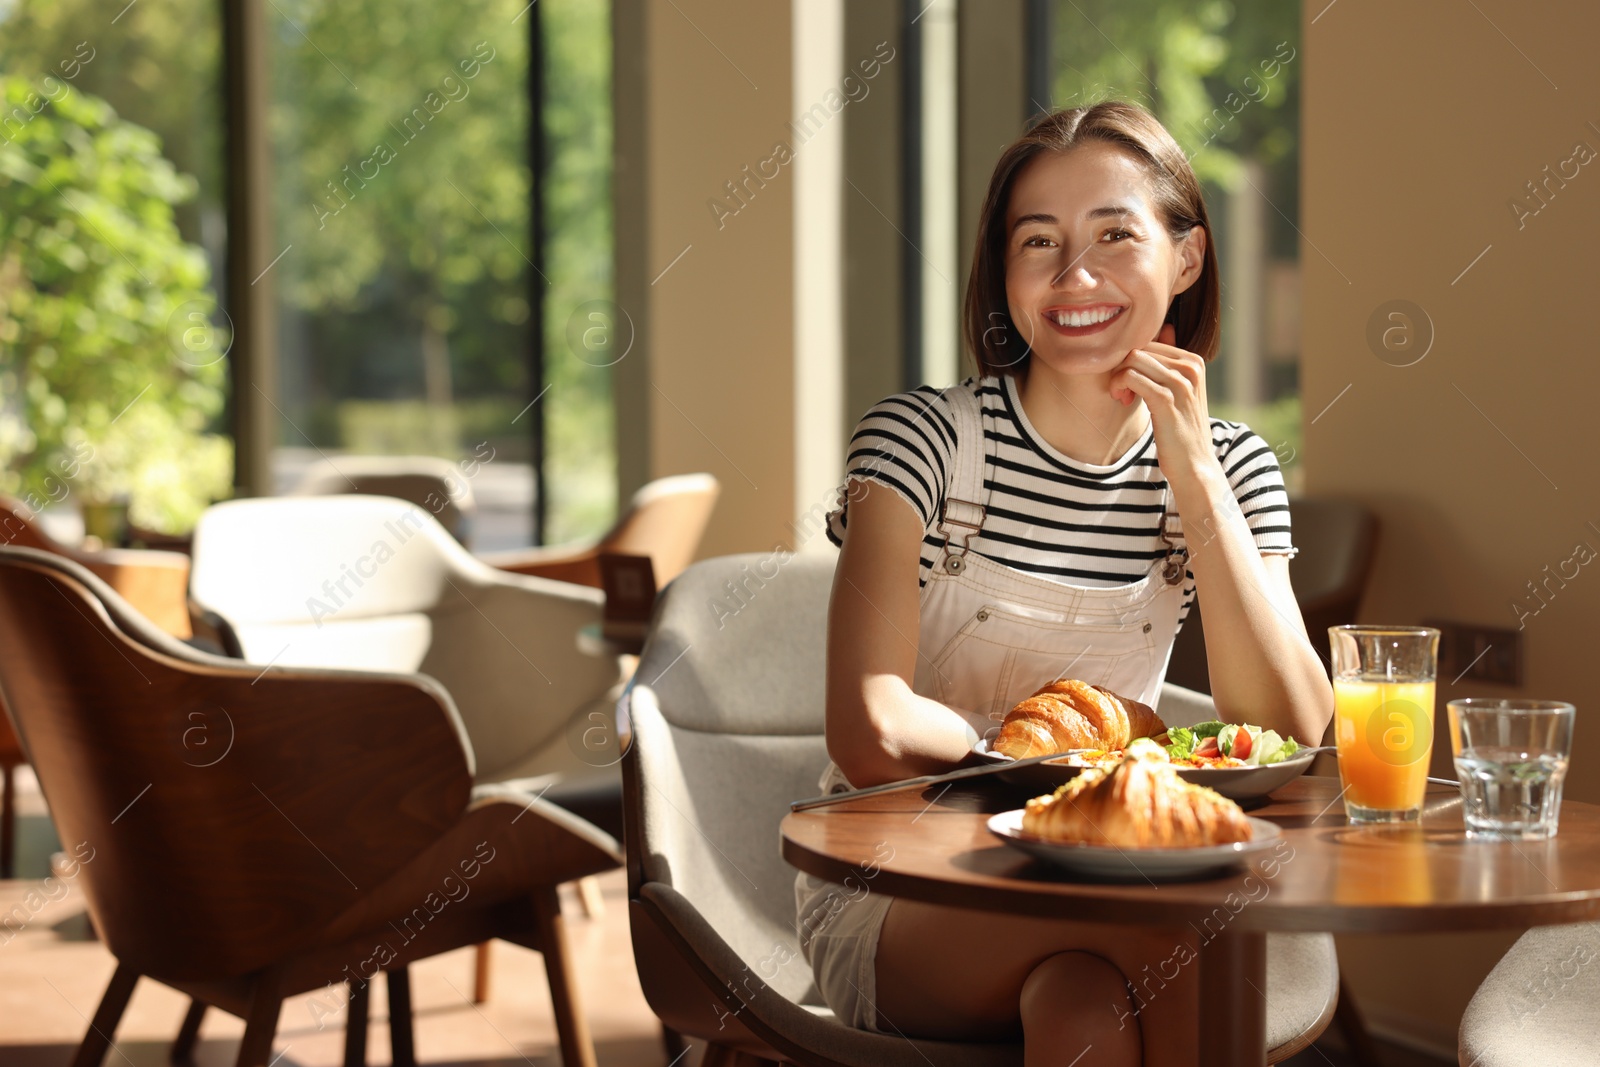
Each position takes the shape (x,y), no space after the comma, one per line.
(579,564)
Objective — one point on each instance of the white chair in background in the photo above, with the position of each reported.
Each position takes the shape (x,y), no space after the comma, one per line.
(374,583)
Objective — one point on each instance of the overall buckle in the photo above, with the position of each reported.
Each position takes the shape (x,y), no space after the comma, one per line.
(1177,559)
(976,513)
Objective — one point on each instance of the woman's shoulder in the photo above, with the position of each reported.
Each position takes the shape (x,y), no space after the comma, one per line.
(929,407)
(925,417)
(1228,435)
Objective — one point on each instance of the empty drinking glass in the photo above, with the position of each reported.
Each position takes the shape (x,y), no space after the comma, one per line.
(1511,757)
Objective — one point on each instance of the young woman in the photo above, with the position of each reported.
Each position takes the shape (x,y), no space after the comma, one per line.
(1054,516)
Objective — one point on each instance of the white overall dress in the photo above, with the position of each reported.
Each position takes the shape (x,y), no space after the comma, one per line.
(989,636)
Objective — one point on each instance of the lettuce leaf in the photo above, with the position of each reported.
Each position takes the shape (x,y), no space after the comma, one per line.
(1180,742)
(1284,751)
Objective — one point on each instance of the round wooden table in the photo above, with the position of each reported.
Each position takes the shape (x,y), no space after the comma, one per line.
(1327,876)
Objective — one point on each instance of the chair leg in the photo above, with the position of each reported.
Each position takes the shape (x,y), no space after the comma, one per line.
(355,1025)
(717,1056)
(261,1023)
(594,901)
(1353,1028)
(480,973)
(672,1043)
(104,1025)
(577,1046)
(183,1044)
(8,822)
(728,1056)
(402,1044)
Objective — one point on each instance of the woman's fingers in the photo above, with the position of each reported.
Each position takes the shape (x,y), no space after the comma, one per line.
(1146,387)
(1156,370)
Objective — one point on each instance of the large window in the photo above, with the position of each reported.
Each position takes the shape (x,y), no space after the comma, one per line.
(1224,79)
(409,277)
(433,241)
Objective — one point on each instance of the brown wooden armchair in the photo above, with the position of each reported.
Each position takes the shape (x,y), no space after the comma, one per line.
(665,521)
(247,836)
(155,583)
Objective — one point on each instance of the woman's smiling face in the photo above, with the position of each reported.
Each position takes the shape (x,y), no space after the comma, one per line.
(1084,241)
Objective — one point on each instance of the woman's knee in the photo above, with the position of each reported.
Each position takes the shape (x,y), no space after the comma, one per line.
(1076,990)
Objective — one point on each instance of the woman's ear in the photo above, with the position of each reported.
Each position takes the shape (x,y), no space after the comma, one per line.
(1192,257)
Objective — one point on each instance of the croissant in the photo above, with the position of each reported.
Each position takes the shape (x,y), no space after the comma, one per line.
(1073,714)
(1138,803)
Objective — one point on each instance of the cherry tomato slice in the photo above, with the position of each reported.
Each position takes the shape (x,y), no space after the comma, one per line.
(1242,744)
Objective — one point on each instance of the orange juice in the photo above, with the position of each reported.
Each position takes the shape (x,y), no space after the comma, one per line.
(1384,734)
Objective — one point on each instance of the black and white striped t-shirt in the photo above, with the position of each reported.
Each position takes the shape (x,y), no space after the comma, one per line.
(1049,514)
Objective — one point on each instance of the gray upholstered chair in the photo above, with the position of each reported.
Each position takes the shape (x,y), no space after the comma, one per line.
(1538,1004)
(726,724)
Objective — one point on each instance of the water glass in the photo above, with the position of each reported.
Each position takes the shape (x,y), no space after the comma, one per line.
(1511,757)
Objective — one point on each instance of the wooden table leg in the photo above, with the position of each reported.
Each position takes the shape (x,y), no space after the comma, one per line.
(1233,1000)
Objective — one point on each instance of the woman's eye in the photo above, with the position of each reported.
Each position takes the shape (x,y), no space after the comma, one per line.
(1113,233)
(1031,240)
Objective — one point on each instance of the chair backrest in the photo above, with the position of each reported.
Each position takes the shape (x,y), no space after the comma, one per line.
(1336,539)
(665,521)
(326,559)
(222,815)
(726,715)
(374,583)
(433,484)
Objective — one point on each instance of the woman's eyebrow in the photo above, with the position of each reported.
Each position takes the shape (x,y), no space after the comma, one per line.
(1109,211)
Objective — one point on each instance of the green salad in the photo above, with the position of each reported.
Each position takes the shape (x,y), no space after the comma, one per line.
(1257,747)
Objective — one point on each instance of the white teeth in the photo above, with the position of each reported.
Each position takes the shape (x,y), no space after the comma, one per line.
(1086,318)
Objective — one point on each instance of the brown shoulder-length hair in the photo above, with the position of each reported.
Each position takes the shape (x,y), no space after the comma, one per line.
(992,338)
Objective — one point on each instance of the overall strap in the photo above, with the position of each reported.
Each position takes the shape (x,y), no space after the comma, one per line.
(1177,557)
(963,512)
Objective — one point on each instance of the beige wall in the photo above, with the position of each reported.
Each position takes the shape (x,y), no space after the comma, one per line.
(711,377)
(1421,122)
(717,380)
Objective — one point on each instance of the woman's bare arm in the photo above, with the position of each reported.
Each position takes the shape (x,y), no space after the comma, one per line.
(878,729)
(1262,666)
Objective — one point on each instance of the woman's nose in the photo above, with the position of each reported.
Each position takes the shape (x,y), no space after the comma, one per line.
(1075,276)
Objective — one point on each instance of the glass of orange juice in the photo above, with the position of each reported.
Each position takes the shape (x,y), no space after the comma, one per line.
(1383,679)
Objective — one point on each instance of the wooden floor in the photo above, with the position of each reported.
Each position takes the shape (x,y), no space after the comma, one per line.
(52,972)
